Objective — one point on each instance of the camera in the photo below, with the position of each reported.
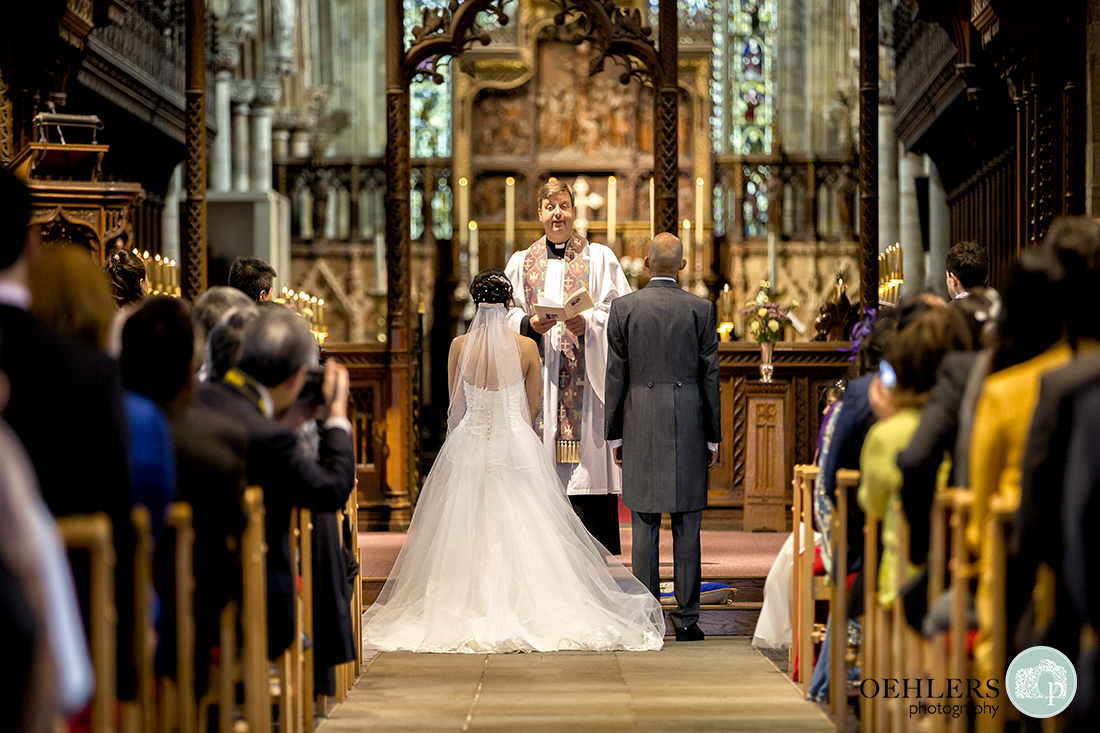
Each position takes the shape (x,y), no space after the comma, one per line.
(312,393)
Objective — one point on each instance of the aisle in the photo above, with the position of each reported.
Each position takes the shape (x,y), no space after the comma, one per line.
(721,684)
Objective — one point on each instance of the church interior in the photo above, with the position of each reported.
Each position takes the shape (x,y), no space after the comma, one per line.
(819,160)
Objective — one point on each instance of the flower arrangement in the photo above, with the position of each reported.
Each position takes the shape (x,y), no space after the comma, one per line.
(766,318)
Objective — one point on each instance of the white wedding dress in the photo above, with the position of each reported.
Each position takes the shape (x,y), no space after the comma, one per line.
(495,559)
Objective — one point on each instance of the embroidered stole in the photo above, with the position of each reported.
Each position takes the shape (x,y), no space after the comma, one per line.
(578,267)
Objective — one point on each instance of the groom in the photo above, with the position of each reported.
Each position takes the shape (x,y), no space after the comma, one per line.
(663,421)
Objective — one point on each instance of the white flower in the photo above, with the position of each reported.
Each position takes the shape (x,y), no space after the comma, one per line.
(754,326)
(762,312)
(773,325)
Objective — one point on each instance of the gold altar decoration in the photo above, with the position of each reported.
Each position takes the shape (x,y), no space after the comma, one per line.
(309,307)
(890,275)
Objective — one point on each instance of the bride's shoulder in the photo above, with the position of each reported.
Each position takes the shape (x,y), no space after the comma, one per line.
(527,346)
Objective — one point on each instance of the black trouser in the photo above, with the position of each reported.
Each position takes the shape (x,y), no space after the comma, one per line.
(687,561)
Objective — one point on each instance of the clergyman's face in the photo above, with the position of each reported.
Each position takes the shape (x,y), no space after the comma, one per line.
(556,214)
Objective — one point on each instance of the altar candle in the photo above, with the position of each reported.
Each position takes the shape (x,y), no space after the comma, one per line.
(771,259)
(509,216)
(652,208)
(321,313)
(699,199)
(685,238)
(463,209)
(474,250)
(612,201)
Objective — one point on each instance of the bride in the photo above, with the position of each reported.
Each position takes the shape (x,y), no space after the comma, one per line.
(495,559)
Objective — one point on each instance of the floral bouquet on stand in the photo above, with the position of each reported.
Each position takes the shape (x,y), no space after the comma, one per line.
(765,321)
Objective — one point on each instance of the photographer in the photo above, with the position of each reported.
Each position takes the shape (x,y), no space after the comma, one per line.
(278,353)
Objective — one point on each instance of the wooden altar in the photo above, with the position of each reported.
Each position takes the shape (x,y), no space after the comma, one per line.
(768,428)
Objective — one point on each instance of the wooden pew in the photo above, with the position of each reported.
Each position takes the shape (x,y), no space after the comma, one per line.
(289,662)
(847,481)
(93,534)
(936,650)
(962,570)
(806,588)
(305,541)
(139,715)
(875,650)
(255,669)
(180,519)
(1000,517)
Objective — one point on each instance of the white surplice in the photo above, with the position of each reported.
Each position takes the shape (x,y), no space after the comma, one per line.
(597,472)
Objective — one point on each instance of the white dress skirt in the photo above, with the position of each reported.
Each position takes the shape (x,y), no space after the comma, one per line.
(496,560)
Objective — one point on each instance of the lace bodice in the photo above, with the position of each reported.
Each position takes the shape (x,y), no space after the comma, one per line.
(491,411)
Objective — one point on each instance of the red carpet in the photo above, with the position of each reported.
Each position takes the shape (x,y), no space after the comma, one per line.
(724,553)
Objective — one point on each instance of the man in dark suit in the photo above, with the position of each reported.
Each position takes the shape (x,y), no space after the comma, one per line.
(66,408)
(663,421)
(277,353)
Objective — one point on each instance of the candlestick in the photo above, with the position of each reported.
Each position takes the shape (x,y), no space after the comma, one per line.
(509,216)
(612,201)
(463,209)
(699,200)
(475,253)
(321,314)
(652,208)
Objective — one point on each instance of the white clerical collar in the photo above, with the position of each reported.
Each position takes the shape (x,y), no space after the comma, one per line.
(670,279)
(17,295)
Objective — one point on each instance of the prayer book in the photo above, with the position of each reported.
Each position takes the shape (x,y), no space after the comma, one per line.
(575,304)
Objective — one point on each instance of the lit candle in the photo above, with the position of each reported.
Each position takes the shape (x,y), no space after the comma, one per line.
(685,238)
(474,250)
(652,208)
(612,201)
(313,312)
(771,259)
(321,314)
(509,216)
(463,209)
(699,199)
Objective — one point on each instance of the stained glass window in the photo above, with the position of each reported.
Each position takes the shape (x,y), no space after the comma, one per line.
(429,103)
(756,199)
(441,206)
(743,87)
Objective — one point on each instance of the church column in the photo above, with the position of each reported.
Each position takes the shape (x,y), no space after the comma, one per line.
(221,154)
(939,230)
(263,112)
(244,91)
(868,153)
(402,466)
(887,177)
(666,123)
(912,266)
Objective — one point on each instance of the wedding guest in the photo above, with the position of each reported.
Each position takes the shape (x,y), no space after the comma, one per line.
(571,420)
(967,268)
(126,275)
(254,277)
(211,309)
(66,407)
(277,352)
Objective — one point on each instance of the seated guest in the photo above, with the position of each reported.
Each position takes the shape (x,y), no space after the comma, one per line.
(125,273)
(967,268)
(1029,344)
(897,395)
(159,360)
(277,353)
(223,344)
(69,294)
(254,277)
(211,307)
(66,407)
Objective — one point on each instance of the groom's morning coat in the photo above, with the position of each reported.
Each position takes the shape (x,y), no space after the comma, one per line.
(662,395)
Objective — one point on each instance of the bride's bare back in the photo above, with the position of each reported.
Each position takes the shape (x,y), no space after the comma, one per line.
(485,376)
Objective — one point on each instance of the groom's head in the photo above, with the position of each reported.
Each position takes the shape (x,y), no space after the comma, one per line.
(666,256)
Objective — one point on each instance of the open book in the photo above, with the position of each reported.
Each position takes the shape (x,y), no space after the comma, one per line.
(551,310)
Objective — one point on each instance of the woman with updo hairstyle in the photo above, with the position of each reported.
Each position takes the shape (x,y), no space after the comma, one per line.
(491,286)
(125,273)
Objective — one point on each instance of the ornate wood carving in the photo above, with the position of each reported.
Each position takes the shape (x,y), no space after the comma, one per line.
(193,246)
(766,466)
(666,114)
(7,139)
(868,153)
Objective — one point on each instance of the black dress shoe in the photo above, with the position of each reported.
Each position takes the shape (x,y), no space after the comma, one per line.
(691,633)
